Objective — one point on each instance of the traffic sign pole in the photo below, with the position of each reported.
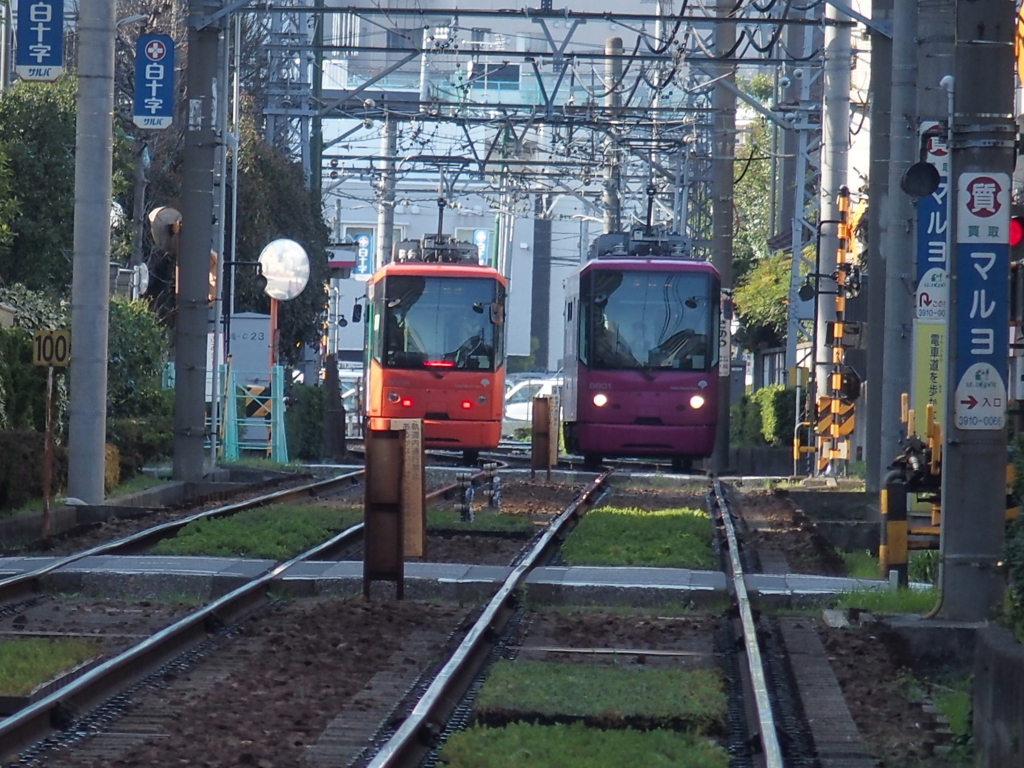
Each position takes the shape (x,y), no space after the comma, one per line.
(974,460)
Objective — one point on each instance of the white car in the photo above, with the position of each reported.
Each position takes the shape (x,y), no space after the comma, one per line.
(519,401)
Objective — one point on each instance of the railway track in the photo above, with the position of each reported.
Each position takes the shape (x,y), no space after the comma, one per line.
(37,720)
(422,706)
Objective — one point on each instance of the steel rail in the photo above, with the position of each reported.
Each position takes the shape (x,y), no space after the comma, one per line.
(430,712)
(35,722)
(16,587)
(755,667)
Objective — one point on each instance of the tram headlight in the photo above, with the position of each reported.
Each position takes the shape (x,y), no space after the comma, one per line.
(696,402)
(600,399)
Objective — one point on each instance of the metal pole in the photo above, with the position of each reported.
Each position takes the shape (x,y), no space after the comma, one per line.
(386,191)
(898,243)
(724,144)
(220,238)
(835,143)
(90,300)
(235,117)
(878,190)
(612,101)
(974,460)
(196,240)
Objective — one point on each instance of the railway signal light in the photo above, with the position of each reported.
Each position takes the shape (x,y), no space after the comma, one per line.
(1016,239)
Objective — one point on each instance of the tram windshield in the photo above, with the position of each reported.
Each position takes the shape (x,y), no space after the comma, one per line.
(648,320)
(439,323)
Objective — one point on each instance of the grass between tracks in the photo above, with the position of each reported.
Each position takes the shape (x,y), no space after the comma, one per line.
(558,714)
(281,531)
(611,536)
(522,745)
(27,662)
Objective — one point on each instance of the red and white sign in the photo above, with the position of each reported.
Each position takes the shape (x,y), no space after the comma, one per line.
(982,204)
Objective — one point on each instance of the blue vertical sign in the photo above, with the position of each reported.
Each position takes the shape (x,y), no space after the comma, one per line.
(154,82)
(482,240)
(40,39)
(982,332)
(364,257)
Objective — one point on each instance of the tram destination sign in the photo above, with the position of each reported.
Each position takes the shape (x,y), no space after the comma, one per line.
(982,333)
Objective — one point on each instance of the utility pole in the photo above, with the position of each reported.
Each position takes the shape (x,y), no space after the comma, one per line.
(90,298)
(723,105)
(612,171)
(898,245)
(386,190)
(878,192)
(936,32)
(835,142)
(196,241)
(974,456)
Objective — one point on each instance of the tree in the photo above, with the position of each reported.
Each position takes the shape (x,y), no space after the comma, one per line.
(762,300)
(137,350)
(274,203)
(37,123)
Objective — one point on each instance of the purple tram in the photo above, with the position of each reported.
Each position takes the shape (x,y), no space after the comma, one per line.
(641,351)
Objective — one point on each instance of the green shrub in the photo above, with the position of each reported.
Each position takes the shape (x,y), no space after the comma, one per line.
(137,347)
(22,384)
(111,468)
(745,430)
(304,421)
(778,412)
(21,467)
(144,439)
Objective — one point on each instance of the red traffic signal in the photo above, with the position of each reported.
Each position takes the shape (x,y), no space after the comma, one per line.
(1016,231)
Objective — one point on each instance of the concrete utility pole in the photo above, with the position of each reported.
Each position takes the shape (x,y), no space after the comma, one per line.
(386,201)
(898,245)
(723,106)
(612,170)
(90,299)
(196,242)
(878,193)
(974,459)
(936,32)
(835,143)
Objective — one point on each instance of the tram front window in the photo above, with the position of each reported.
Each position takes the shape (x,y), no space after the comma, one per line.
(440,323)
(649,321)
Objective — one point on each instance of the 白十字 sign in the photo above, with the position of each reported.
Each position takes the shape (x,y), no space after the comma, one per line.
(154,82)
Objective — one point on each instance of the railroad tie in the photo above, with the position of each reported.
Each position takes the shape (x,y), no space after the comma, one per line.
(838,742)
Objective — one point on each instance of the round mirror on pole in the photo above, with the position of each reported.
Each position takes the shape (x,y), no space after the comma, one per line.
(285,265)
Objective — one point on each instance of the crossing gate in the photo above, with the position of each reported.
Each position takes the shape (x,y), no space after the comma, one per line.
(253,416)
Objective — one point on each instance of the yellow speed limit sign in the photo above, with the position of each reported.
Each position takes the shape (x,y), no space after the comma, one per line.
(51,348)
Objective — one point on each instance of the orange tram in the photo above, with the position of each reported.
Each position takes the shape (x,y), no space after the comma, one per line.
(435,344)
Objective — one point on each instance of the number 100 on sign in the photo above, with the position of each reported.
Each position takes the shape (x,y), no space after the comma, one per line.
(51,348)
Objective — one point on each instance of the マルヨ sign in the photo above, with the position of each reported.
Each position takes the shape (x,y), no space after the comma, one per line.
(40,40)
(982,333)
(154,82)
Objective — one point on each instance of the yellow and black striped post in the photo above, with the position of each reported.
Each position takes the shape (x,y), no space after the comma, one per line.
(892,552)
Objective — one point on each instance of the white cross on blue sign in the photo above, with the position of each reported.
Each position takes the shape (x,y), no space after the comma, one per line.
(154,82)
(40,40)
